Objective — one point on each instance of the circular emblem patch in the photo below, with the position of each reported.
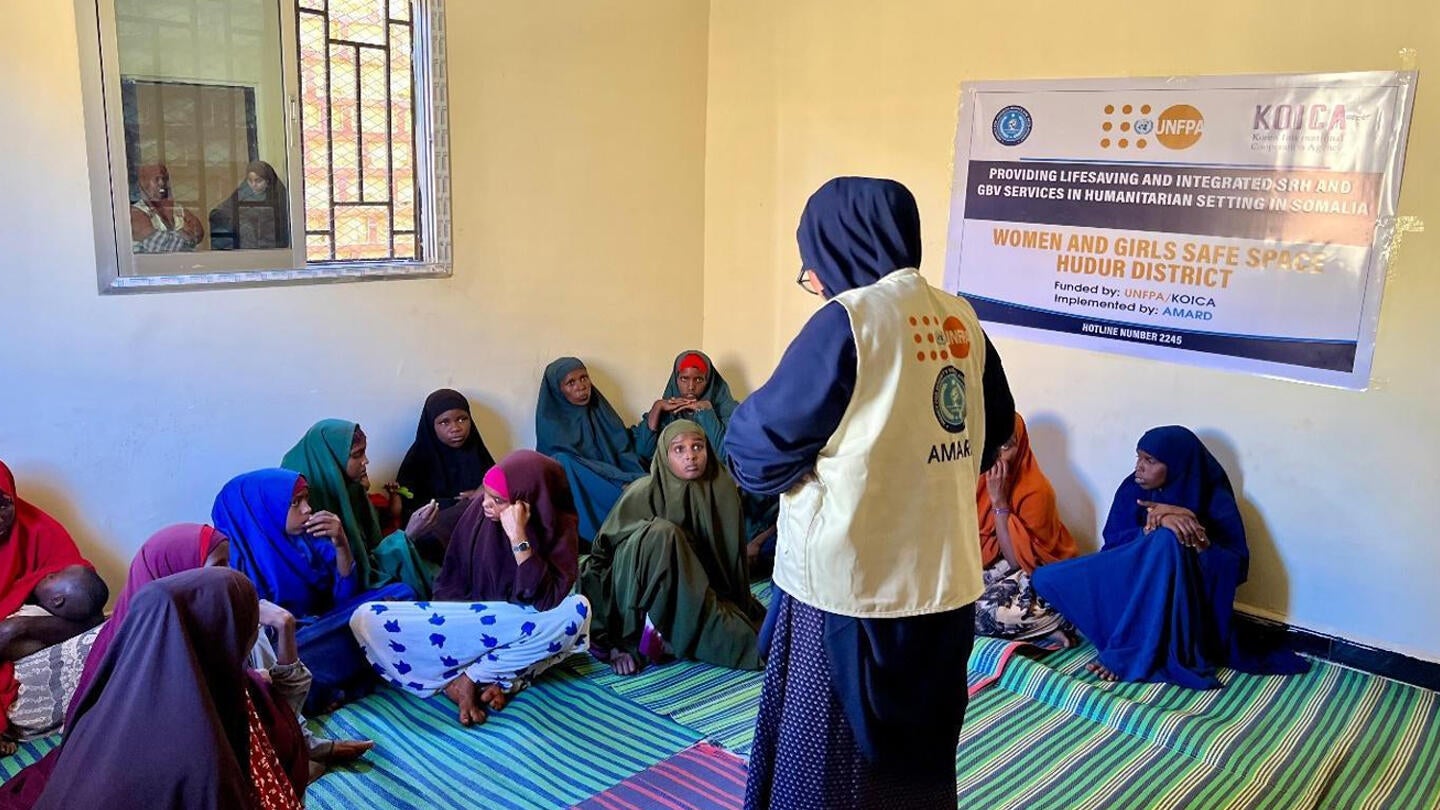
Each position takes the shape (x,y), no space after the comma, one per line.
(1011,125)
(949,399)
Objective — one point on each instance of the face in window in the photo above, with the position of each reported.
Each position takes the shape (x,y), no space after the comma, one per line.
(452,427)
(1150,472)
(257,183)
(7,515)
(492,503)
(357,467)
(299,510)
(576,387)
(692,382)
(154,183)
(687,456)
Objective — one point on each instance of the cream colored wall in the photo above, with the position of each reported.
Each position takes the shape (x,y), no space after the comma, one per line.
(578,135)
(1336,485)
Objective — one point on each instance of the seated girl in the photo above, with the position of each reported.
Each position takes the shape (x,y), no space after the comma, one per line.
(445,464)
(302,561)
(1020,530)
(576,426)
(185,547)
(502,612)
(1158,597)
(49,598)
(667,574)
(697,392)
(332,458)
(172,718)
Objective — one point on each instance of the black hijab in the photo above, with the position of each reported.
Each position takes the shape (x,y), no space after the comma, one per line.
(434,469)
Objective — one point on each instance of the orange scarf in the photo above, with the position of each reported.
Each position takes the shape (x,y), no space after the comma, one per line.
(1036,532)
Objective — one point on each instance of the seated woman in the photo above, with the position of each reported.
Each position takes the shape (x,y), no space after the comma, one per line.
(575,425)
(172,717)
(445,464)
(696,391)
(502,613)
(1157,599)
(332,459)
(185,547)
(1020,530)
(668,573)
(256,216)
(301,560)
(49,598)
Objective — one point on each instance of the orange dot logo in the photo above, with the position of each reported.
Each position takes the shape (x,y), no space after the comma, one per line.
(957,340)
(1180,127)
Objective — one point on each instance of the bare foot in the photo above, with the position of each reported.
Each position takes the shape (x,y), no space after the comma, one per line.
(317,770)
(623,663)
(8,747)
(466,695)
(346,750)
(494,696)
(1101,671)
(753,548)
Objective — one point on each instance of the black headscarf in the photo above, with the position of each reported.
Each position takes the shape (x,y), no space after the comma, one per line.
(434,469)
(250,221)
(856,230)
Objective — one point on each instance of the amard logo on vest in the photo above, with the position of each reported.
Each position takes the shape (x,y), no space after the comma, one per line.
(948,400)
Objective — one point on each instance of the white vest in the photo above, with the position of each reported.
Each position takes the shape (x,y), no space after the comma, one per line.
(886,526)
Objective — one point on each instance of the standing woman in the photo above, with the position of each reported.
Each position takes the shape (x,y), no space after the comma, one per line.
(172,719)
(575,425)
(445,464)
(503,612)
(875,448)
(331,457)
(1020,530)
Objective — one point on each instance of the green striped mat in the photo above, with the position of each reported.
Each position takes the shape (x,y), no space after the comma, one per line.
(1053,736)
(556,744)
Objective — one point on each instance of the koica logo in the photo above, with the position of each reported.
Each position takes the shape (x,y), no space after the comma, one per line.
(1299,116)
(1179,127)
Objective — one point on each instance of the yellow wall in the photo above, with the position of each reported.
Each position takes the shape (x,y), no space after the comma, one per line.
(578,137)
(1336,485)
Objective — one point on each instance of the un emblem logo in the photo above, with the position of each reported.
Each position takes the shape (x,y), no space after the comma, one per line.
(948,399)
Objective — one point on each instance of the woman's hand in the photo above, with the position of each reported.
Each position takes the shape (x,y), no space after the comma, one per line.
(699,405)
(1187,527)
(276,617)
(513,519)
(423,518)
(998,484)
(327,525)
(660,408)
(1154,512)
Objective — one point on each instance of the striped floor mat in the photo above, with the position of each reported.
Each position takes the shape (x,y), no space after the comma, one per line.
(1053,736)
(705,777)
(558,743)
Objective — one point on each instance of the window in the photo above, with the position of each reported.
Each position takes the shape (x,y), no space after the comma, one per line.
(262,141)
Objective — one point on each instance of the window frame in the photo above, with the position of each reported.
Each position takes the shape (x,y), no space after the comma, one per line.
(100,80)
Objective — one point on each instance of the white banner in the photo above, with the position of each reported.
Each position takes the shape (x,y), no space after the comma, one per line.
(1236,222)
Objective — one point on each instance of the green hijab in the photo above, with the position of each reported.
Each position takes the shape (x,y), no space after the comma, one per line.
(707,508)
(321,457)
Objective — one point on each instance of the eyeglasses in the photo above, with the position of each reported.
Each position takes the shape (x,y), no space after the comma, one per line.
(804,281)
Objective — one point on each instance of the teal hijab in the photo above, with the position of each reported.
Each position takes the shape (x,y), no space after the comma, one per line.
(321,456)
(591,432)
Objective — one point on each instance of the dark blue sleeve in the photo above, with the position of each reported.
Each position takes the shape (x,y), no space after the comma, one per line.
(776,434)
(999,406)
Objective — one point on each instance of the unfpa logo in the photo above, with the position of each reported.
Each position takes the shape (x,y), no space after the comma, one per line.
(1180,127)
(945,339)
(1133,127)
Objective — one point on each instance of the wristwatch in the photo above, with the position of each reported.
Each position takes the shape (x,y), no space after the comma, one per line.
(523,545)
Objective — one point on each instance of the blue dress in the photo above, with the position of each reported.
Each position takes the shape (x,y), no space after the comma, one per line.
(1155,609)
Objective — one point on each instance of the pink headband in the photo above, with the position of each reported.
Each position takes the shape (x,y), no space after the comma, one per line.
(495,480)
